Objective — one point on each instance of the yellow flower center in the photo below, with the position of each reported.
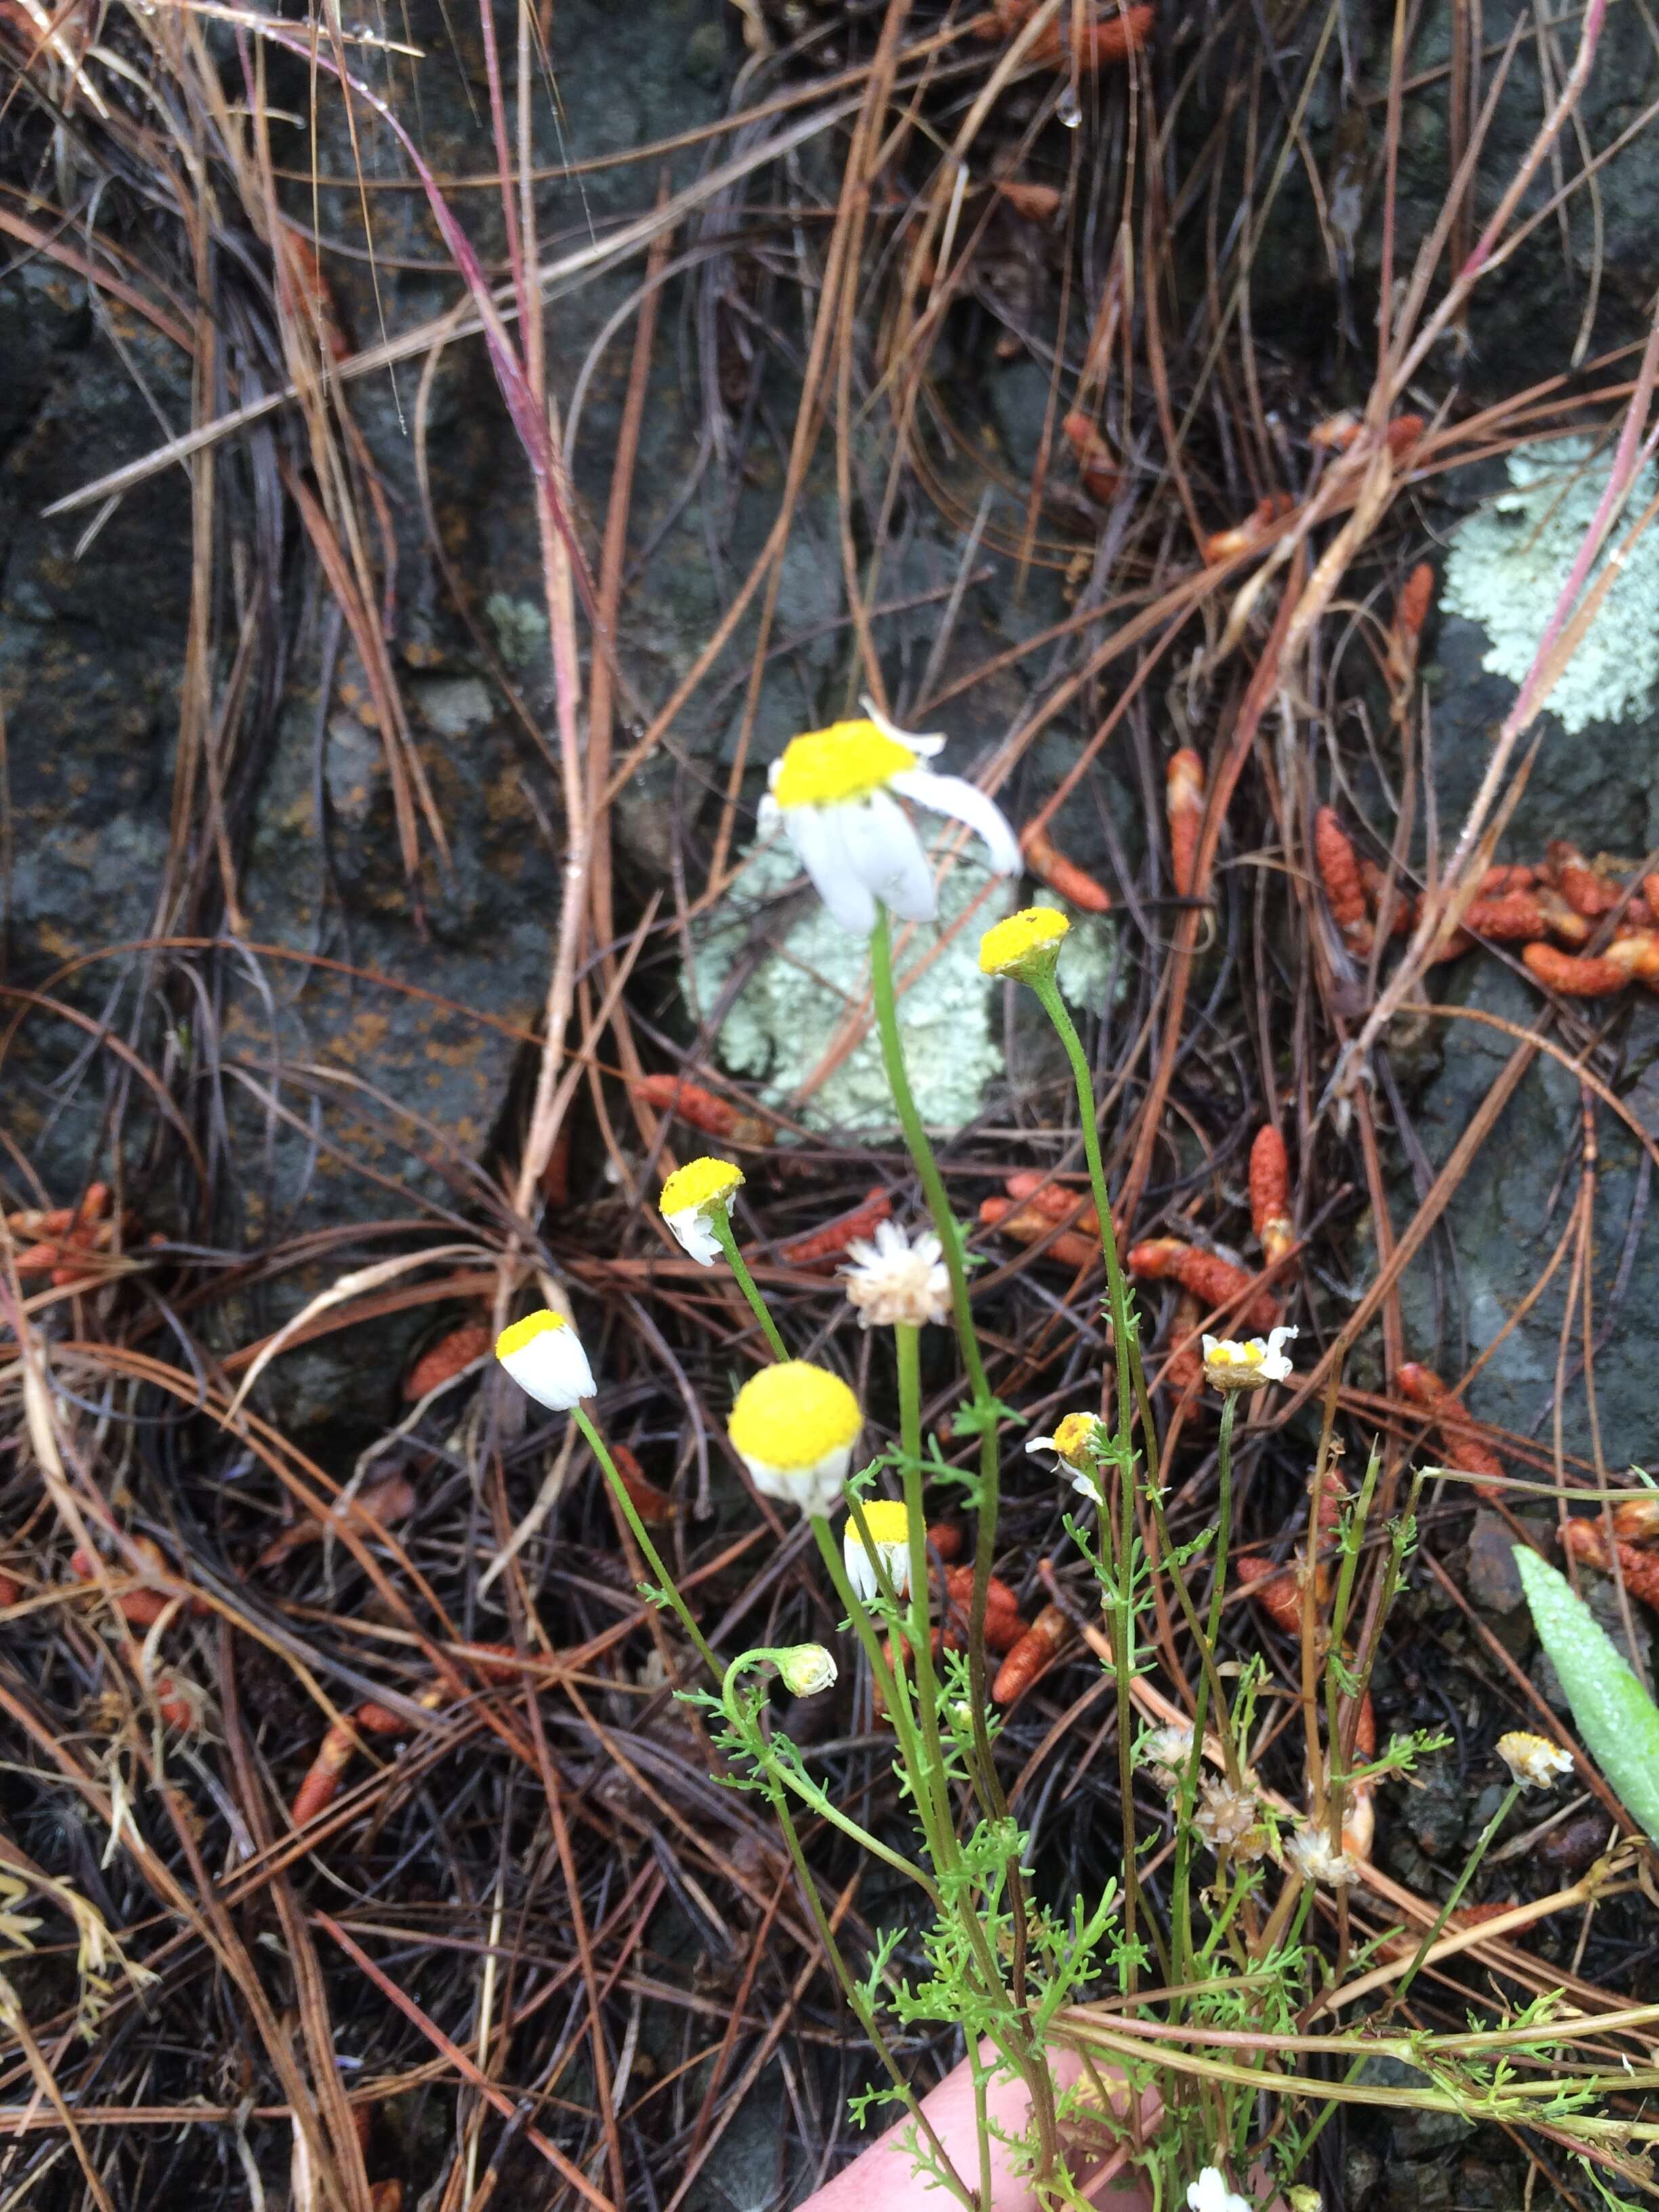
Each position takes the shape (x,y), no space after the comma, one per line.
(1007,946)
(850,760)
(887,1521)
(794,1415)
(699,1182)
(1074,1438)
(527,1330)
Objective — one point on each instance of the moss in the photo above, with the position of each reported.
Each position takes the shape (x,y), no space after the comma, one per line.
(1508,565)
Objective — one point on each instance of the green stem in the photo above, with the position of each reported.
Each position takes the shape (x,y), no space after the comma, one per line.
(653,1558)
(720,1220)
(1462,1882)
(907,1339)
(1030,2060)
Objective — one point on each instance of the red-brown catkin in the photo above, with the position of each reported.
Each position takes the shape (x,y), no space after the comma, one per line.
(1033,1654)
(833,1239)
(1573,978)
(1585,1540)
(1213,1281)
(1183,800)
(1050,865)
(1270,1193)
(1338,872)
(702,1109)
(1461,1436)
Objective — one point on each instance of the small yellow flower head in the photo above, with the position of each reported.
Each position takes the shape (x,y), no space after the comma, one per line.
(806,1668)
(1025,946)
(850,760)
(890,1532)
(544,1357)
(1075,1443)
(794,1426)
(1229,1365)
(1533,1761)
(691,1195)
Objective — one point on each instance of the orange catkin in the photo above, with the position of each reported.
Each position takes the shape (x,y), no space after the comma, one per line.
(833,1239)
(1635,1520)
(1213,1281)
(1461,1436)
(1030,1187)
(1564,921)
(1637,953)
(1639,1569)
(1222,544)
(1501,878)
(1033,1654)
(1027,1224)
(1276,1590)
(1270,1193)
(446,1358)
(654,1507)
(1096,463)
(1416,597)
(1338,870)
(1586,890)
(702,1109)
(321,1784)
(945,1540)
(1050,865)
(1036,203)
(1573,978)
(1183,800)
(1515,917)
(1183,1370)
(1110,39)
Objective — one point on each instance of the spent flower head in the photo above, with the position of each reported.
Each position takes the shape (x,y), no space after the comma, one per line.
(794,1426)
(889,1524)
(544,1357)
(896,1281)
(1228,1819)
(832,791)
(1533,1760)
(1309,1853)
(691,1197)
(1231,1365)
(1025,947)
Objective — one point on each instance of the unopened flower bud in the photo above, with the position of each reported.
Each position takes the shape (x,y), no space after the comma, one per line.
(806,1668)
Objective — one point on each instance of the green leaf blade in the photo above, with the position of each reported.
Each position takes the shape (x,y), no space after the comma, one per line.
(1617,1718)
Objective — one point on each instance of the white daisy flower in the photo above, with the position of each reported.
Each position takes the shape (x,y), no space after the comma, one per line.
(1210,2193)
(689,1198)
(794,1426)
(1075,1443)
(832,791)
(544,1357)
(894,1281)
(890,1532)
(1310,1854)
(1533,1760)
(806,1668)
(1229,1366)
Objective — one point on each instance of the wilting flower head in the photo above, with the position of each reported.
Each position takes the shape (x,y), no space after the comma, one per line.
(544,1357)
(1228,1819)
(890,1532)
(1533,1761)
(794,1426)
(1229,1365)
(1167,1752)
(1210,2193)
(894,1280)
(833,792)
(1074,1445)
(1025,945)
(691,1195)
(806,1668)
(1309,1853)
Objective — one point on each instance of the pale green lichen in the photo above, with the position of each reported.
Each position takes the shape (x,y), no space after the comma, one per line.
(1510,561)
(521,628)
(792,1008)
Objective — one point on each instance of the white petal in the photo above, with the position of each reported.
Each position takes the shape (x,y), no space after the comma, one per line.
(552,1369)
(1276,1339)
(817,835)
(885,854)
(691,1226)
(1041,1444)
(860,1573)
(768,815)
(896,1558)
(964,802)
(924,747)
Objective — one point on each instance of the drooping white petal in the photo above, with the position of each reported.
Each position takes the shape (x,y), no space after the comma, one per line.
(819,835)
(695,1237)
(552,1369)
(860,1571)
(886,855)
(817,1490)
(964,802)
(924,745)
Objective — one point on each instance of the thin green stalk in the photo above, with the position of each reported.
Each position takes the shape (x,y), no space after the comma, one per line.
(653,1558)
(1028,2060)
(720,1220)
(862,2011)
(1458,1887)
(907,1344)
